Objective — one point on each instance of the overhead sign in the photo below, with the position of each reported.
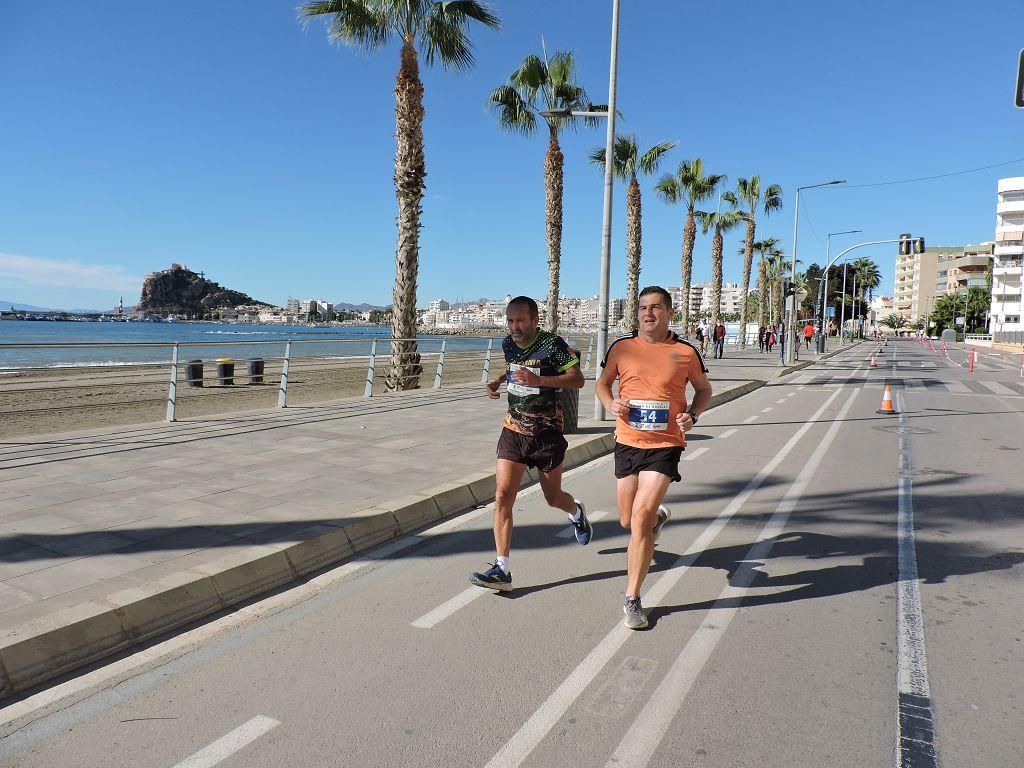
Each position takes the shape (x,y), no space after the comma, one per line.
(1018,97)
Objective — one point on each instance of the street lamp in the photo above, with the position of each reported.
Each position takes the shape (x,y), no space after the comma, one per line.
(824,293)
(606,226)
(787,342)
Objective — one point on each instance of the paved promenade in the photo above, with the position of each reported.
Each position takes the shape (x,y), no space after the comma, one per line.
(111,537)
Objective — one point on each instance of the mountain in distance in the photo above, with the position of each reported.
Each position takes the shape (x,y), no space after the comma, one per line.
(364,307)
(179,290)
(4,304)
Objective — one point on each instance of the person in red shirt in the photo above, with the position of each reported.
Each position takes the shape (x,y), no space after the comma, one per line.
(808,334)
(653,367)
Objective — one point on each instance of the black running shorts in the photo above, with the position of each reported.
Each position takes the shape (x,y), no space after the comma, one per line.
(631,461)
(545,451)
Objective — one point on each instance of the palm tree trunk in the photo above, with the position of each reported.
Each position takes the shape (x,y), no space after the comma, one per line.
(553,162)
(748,260)
(762,293)
(410,181)
(689,238)
(633,250)
(716,276)
(777,298)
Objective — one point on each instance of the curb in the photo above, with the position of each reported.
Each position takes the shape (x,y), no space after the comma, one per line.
(51,646)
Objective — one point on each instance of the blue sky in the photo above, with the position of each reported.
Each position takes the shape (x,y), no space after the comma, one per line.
(228,137)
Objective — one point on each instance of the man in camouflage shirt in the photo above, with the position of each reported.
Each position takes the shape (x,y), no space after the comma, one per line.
(538,365)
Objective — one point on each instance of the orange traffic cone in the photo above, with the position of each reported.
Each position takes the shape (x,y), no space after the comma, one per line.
(873,363)
(887,408)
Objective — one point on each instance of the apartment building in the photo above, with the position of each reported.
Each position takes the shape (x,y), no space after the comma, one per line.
(1006,313)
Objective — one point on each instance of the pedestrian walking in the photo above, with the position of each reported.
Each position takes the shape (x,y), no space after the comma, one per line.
(700,337)
(808,334)
(770,339)
(538,365)
(719,340)
(761,332)
(653,367)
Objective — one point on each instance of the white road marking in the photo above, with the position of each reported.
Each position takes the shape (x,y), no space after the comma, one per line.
(913,705)
(642,739)
(996,387)
(958,387)
(533,731)
(780,402)
(792,393)
(727,433)
(691,456)
(229,744)
(751,419)
(766,410)
(443,611)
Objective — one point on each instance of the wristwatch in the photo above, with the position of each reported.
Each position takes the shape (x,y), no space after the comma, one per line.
(693,416)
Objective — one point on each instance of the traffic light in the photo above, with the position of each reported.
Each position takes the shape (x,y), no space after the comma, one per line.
(905,247)
(788,288)
(919,245)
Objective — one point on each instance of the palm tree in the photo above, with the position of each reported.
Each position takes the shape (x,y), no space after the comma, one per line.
(764,248)
(868,276)
(720,222)
(748,192)
(627,162)
(438,30)
(773,267)
(691,187)
(545,85)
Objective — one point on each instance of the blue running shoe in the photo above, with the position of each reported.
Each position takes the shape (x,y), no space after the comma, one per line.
(584,530)
(493,578)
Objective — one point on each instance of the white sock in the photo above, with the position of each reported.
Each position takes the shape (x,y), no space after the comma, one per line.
(503,564)
(576,518)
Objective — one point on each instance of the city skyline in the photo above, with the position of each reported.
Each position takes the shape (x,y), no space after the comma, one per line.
(198,161)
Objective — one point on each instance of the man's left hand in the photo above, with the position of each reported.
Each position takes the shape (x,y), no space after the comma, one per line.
(685,422)
(526,377)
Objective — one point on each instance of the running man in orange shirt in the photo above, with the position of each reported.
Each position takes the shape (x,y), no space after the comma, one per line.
(653,367)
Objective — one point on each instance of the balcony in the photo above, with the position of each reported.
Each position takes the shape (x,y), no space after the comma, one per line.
(972,262)
(1010,206)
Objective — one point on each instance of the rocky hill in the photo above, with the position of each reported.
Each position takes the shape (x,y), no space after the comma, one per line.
(181,290)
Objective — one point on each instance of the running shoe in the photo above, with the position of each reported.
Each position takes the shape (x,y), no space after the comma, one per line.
(493,578)
(636,616)
(584,530)
(663,517)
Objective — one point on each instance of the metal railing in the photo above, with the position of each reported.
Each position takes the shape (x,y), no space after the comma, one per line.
(456,359)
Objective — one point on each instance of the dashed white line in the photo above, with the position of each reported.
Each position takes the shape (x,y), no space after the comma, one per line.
(727,433)
(533,731)
(691,456)
(766,410)
(446,609)
(780,402)
(230,743)
(751,419)
(642,739)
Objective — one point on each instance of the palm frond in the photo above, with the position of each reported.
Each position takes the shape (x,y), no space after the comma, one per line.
(668,189)
(562,68)
(597,156)
(730,198)
(352,22)
(730,219)
(649,161)
(514,114)
(530,77)
(706,219)
(772,199)
(444,37)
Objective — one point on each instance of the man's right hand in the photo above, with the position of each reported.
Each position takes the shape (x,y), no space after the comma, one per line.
(618,408)
(492,389)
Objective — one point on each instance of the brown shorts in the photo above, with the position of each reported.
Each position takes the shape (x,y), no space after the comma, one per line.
(632,461)
(545,451)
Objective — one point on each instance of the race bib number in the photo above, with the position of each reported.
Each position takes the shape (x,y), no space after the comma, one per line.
(649,415)
(521,389)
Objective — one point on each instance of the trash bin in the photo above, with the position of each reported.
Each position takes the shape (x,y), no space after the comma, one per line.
(256,370)
(194,373)
(570,411)
(225,371)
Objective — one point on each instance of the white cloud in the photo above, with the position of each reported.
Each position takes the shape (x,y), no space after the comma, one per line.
(52,273)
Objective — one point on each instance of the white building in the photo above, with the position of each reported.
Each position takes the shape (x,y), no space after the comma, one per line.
(1008,268)
(701,296)
(439,305)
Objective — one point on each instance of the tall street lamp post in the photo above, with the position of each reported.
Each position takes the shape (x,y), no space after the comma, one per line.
(788,346)
(824,293)
(606,224)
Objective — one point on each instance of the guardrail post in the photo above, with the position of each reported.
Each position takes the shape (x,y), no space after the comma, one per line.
(487,362)
(440,365)
(368,392)
(282,393)
(590,349)
(172,389)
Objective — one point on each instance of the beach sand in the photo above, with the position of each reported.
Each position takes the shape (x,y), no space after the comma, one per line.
(61,400)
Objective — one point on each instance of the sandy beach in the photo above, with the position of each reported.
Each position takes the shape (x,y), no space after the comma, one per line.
(39,402)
